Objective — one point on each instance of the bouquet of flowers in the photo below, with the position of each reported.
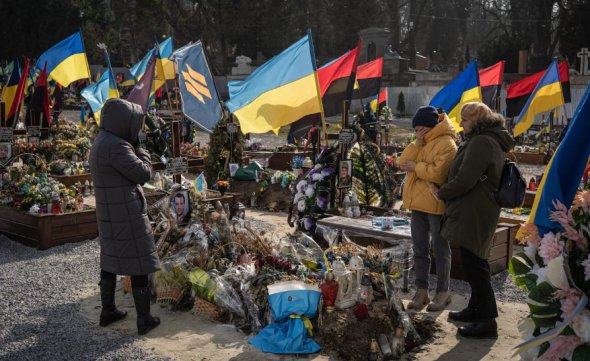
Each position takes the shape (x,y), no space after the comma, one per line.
(297,162)
(34,189)
(312,193)
(188,149)
(554,270)
(282,178)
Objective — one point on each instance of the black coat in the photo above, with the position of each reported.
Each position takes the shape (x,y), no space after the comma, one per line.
(471,211)
(127,245)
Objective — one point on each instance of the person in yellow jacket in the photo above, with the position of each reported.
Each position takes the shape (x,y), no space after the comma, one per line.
(427,161)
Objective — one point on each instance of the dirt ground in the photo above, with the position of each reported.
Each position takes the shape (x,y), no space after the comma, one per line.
(184,336)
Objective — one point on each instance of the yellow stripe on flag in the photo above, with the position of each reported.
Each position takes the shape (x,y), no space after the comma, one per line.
(280,106)
(548,97)
(71,69)
(8,95)
(471,95)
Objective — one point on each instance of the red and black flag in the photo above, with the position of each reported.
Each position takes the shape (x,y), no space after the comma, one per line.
(517,94)
(336,80)
(490,81)
(38,113)
(368,77)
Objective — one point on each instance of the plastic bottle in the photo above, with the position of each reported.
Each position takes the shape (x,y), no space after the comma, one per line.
(366,295)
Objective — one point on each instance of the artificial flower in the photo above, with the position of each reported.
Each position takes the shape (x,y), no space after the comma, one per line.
(318,177)
(308,223)
(561,347)
(529,234)
(556,274)
(551,246)
(309,191)
(301,205)
(568,298)
(581,325)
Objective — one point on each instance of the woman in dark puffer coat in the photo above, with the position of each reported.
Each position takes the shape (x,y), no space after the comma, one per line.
(471,211)
(119,167)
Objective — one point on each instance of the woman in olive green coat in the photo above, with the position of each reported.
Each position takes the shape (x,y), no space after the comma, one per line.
(471,212)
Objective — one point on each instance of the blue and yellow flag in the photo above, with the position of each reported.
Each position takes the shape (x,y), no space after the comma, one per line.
(281,91)
(9,90)
(566,168)
(98,93)
(546,96)
(66,60)
(137,70)
(197,89)
(463,89)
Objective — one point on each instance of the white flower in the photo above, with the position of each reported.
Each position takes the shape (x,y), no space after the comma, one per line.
(317,166)
(531,253)
(581,325)
(34,209)
(317,177)
(297,197)
(301,205)
(526,327)
(309,191)
(301,185)
(540,272)
(556,274)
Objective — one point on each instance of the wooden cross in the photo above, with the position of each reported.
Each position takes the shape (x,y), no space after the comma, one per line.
(584,55)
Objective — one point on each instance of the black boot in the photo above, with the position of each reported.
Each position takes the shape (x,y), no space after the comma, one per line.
(481,329)
(145,321)
(465,315)
(109,313)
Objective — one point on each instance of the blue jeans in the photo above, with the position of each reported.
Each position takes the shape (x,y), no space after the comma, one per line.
(426,227)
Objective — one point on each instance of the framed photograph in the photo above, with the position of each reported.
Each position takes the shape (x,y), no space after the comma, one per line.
(34,141)
(180,206)
(345,173)
(5,151)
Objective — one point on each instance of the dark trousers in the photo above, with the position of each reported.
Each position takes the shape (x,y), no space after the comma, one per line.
(477,273)
(136,281)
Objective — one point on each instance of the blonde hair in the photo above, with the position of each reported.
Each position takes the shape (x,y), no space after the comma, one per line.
(478,111)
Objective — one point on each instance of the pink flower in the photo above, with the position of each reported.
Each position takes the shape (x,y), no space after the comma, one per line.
(582,200)
(586,265)
(569,299)
(566,220)
(561,347)
(529,234)
(551,246)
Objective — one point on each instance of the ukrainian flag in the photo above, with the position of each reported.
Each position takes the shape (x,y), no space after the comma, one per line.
(98,93)
(9,90)
(137,70)
(566,168)
(281,91)
(463,89)
(66,61)
(546,96)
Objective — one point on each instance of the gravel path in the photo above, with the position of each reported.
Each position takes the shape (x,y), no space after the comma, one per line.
(40,319)
(41,292)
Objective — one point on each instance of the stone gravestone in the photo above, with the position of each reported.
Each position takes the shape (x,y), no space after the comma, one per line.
(584,55)
(243,66)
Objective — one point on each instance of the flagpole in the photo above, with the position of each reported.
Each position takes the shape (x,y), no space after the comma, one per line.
(210,72)
(317,85)
(84,48)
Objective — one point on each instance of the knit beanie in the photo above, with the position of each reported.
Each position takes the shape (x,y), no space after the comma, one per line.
(426,117)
